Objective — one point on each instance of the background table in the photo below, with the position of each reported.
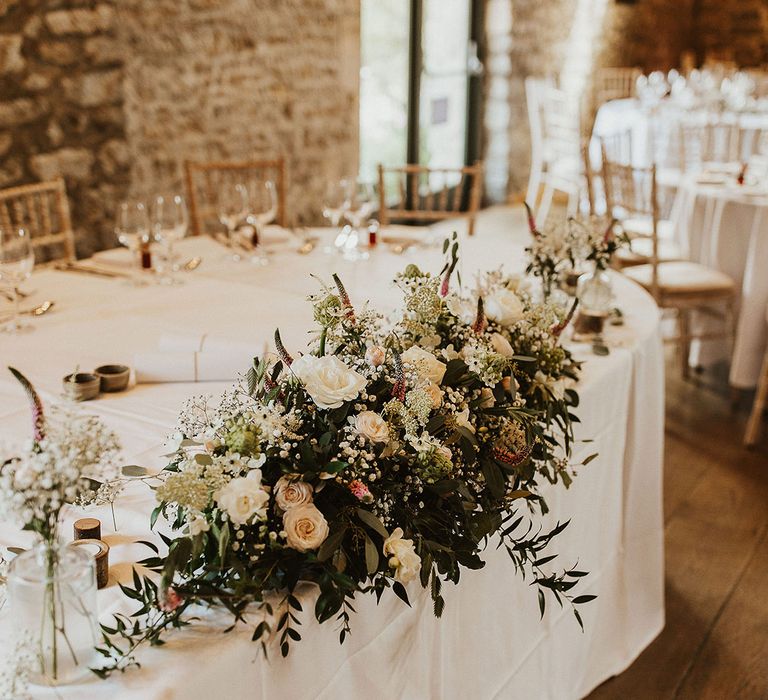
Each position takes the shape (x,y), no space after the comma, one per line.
(726,228)
(490,642)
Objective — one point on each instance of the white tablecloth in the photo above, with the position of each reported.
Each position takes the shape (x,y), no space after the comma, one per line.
(726,227)
(490,642)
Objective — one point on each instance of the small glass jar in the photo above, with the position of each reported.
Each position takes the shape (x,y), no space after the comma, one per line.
(595,294)
(52,596)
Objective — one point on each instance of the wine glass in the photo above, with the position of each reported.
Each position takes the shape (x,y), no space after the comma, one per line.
(233,208)
(335,204)
(262,210)
(16,262)
(169,225)
(132,230)
(361,206)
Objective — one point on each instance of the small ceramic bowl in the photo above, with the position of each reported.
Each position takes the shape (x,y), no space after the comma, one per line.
(84,387)
(113,377)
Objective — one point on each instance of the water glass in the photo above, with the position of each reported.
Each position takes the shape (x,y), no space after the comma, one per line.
(16,262)
(132,231)
(169,225)
(233,209)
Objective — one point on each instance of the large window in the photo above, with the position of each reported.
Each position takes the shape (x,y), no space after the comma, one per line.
(417,83)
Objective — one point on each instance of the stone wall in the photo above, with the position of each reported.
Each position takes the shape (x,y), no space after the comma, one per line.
(115,94)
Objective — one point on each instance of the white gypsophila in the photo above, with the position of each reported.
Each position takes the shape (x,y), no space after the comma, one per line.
(18,665)
(41,479)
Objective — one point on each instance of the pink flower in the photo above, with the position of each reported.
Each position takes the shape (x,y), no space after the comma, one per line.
(170,600)
(360,491)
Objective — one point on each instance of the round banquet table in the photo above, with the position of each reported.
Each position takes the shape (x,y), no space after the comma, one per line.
(725,226)
(490,641)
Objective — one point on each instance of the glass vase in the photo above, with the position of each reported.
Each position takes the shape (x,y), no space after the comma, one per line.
(52,597)
(595,294)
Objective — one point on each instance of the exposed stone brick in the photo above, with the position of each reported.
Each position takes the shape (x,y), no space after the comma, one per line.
(11,60)
(20,111)
(5,142)
(60,53)
(11,172)
(75,163)
(114,156)
(80,20)
(93,89)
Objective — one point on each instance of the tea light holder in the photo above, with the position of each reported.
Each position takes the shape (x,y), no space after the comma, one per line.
(100,551)
(87,529)
(113,377)
(82,386)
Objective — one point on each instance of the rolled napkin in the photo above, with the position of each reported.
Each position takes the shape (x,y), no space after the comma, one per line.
(223,365)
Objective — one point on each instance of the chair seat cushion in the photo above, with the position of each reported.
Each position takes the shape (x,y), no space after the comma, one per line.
(682,278)
(644,227)
(641,249)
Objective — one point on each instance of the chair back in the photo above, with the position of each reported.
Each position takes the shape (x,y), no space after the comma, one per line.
(205,180)
(631,192)
(618,146)
(561,126)
(615,84)
(43,210)
(421,193)
(709,141)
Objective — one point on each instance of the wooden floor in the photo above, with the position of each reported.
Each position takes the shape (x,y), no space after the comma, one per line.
(715,642)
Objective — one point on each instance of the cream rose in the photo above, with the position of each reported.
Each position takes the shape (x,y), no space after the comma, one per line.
(464,309)
(487,399)
(290,493)
(305,527)
(501,345)
(403,557)
(503,306)
(555,386)
(328,380)
(435,393)
(372,426)
(427,365)
(462,420)
(244,497)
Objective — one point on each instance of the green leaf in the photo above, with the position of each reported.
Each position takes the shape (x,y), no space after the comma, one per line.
(371,555)
(542,604)
(223,543)
(589,459)
(134,470)
(331,544)
(372,521)
(579,599)
(401,593)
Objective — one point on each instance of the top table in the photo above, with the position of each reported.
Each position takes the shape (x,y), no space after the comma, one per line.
(490,642)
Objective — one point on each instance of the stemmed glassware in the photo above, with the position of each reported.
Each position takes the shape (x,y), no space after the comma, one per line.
(262,210)
(169,225)
(233,209)
(16,262)
(335,204)
(132,230)
(361,206)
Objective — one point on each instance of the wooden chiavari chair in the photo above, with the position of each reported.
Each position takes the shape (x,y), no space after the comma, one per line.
(204,180)
(43,210)
(429,194)
(615,84)
(707,142)
(681,286)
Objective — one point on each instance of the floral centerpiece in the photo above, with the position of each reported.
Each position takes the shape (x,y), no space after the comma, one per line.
(560,252)
(390,452)
(68,453)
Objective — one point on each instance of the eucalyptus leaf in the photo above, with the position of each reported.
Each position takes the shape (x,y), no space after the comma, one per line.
(134,470)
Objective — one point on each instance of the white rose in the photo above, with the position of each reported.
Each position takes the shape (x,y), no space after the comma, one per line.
(305,527)
(427,365)
(243,498)
(328,380)
(464,309)
(503,306)
(372,426)
(403,557)
(290,493)
(501,345)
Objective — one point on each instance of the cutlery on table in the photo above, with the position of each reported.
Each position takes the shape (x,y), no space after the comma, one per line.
(39,310)
(75,267)
(192,264)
